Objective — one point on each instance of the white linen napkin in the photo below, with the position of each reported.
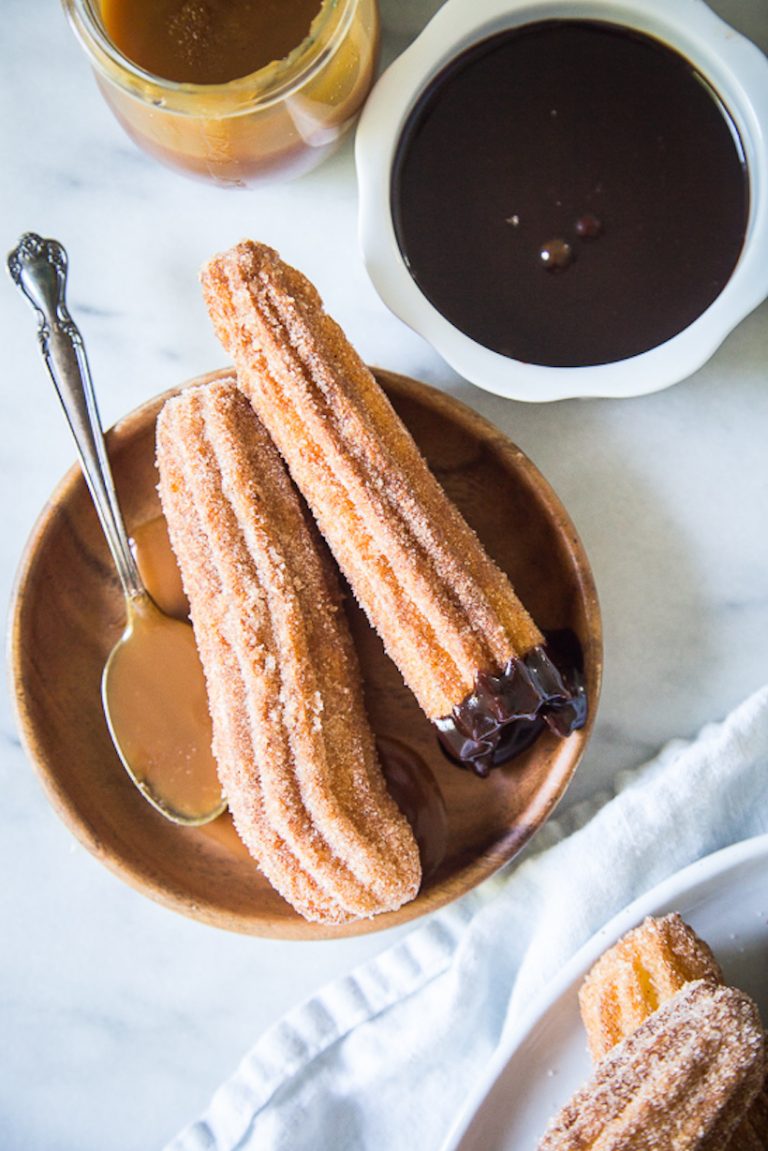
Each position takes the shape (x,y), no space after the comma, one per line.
(383,1058)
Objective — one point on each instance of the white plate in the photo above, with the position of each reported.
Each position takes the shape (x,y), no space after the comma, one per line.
(724,897)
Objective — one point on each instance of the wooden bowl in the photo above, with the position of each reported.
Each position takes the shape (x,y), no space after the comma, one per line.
(68,612)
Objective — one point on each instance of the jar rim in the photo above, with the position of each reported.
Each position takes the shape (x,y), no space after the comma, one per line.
(268,84)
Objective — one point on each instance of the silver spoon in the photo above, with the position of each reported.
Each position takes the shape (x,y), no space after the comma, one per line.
(153,688)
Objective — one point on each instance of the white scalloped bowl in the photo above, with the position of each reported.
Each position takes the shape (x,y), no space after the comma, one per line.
(736,69)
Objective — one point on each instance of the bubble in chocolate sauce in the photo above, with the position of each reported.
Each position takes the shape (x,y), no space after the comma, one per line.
(556,255)
(588,226)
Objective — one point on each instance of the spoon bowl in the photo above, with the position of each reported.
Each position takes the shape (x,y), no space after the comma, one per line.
(155,703)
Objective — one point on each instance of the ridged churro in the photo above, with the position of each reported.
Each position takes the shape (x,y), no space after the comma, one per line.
(448,616)
(295,753)
(644,969)
(681,1082)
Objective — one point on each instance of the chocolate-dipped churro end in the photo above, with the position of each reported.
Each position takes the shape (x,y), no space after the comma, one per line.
(507,712)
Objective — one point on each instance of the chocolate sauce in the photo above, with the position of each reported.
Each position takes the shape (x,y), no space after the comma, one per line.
(506,713)
(415,791)
(581,134)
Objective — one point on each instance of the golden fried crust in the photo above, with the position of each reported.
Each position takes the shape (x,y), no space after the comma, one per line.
(295,752)
(442,608)
(645,968)
(681,1082)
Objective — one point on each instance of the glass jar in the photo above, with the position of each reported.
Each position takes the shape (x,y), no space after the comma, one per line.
(277,122)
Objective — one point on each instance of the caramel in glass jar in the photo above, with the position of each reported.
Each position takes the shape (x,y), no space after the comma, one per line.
(206,41)
(233,91)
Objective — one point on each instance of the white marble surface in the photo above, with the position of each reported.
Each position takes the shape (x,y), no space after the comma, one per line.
(119,1018)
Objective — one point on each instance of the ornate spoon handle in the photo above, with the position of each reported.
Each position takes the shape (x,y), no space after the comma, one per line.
(39,269)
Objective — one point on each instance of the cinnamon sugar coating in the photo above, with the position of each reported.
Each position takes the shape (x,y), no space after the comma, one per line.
(443,609)
(681,1082)
(295,753)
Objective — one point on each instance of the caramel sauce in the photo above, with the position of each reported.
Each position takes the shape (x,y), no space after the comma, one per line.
(157,702)
(223,833)
(227,123)
(206,41)
(157,707)
(157,564)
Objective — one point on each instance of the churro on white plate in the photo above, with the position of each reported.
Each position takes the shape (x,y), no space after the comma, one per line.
(683,1081)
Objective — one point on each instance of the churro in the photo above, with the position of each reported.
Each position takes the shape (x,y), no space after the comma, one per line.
(448,617)
(633,978)
(681,1082)
(646,967)
(295,753)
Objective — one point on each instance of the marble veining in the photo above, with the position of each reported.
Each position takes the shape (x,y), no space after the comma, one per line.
(118,1017)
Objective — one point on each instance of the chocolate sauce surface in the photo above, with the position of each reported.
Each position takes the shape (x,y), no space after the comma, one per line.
(570,193)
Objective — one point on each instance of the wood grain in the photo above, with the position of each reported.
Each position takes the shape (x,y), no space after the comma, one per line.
(68,612)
